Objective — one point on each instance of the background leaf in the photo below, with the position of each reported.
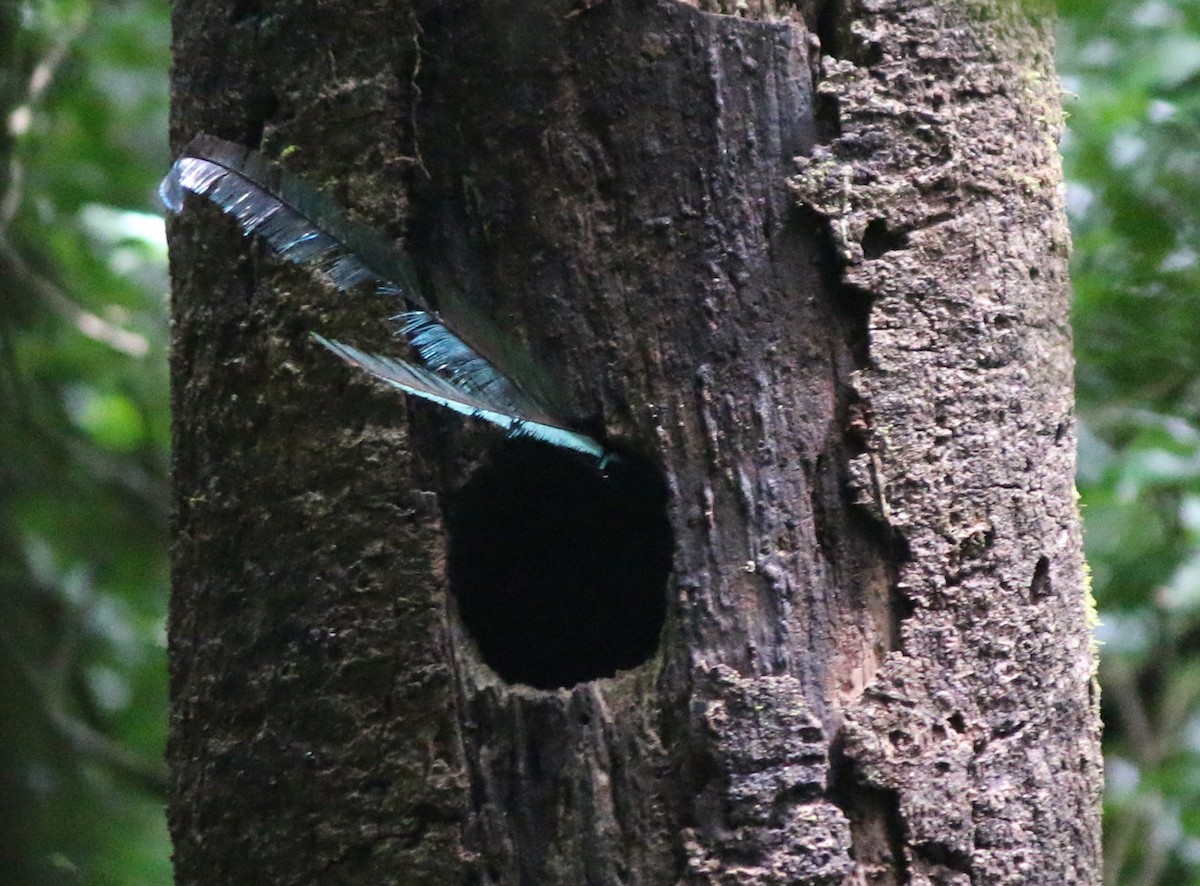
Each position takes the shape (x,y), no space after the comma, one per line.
(1133,167)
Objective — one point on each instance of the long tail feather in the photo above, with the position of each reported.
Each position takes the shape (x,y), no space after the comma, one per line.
(476,369)
(422,383)
(446,353)
(301,224)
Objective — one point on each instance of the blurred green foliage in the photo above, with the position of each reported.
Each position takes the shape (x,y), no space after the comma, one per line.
(84,428)
(1133,168)
(84,436)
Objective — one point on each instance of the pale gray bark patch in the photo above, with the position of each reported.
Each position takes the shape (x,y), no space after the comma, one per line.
(942,189)
(768,820)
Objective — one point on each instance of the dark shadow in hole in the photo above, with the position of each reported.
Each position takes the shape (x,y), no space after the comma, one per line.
(878,239)
(559,569)
(1041,588)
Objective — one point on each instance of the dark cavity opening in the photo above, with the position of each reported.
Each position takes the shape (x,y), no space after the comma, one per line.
(1040,588)
(560,568)
(879,239)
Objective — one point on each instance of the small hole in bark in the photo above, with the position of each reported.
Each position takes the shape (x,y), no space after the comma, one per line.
(877,239)
(257,107)
(957,723)
(1040,588)
(943,855)
(828,29)
(559,569)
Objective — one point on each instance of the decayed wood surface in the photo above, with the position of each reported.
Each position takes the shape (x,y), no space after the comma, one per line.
(847,381)
(943,192)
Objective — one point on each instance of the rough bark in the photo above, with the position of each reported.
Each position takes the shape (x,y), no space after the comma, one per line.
(943,192)
(405,652)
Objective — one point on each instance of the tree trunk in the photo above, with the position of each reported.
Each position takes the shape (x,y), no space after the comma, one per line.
(823,621)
